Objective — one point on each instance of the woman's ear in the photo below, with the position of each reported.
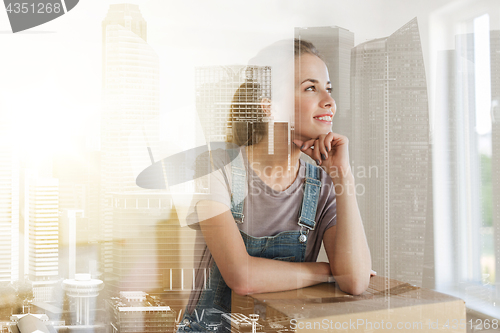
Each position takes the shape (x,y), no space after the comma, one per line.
(265,104)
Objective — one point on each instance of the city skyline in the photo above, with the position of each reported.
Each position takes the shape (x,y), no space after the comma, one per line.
(142,31)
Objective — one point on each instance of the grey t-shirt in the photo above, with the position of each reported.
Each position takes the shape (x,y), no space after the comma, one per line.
(267,211)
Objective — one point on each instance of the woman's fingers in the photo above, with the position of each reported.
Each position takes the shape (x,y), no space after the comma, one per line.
(322,148)
(317,152)
(318,148)
(307,144)
(328,150)
(307,147)
(328,141)
(298,143)
(311,148)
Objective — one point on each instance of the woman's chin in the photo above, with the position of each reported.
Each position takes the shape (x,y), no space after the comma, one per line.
(310,135)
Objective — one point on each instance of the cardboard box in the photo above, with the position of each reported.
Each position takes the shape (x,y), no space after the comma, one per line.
(387,306)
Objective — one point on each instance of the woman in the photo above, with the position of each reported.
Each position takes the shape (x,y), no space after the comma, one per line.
(268,212)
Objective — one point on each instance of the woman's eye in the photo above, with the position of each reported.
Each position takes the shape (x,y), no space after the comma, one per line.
(329,90)
(311,88)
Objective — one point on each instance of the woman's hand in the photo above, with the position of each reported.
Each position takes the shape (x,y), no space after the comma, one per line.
(330,151)
(345,243)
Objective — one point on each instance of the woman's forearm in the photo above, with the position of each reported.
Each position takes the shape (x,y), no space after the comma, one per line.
(246,274)
(348,253)
(266,275)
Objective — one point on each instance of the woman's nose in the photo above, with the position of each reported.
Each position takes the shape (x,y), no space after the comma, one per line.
(333,107)
(329,103)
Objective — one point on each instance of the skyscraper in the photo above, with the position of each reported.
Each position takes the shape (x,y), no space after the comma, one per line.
(390,148)
(127,16)
(43,236)
(129,121)
(9,206)
(334,45)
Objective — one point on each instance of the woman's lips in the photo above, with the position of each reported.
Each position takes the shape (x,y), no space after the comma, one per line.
(324,118)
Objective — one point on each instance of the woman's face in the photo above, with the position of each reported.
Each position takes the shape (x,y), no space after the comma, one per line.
(314,105)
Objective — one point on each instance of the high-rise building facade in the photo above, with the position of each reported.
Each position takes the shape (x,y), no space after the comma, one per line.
(216,87)
(129,120)
(334,45)
(9,206)
(390,148)
(43,235)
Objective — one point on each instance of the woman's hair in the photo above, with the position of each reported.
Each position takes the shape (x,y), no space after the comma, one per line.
(302,47)
(246,114)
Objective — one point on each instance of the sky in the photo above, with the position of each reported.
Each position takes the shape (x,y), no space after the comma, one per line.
(51,75)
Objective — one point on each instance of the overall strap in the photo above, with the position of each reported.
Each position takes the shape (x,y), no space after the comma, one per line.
(238,183)
(310,200)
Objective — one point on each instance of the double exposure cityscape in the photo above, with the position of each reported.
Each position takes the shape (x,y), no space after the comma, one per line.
(85,246)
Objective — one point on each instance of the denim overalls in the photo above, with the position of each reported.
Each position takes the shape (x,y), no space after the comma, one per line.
(286,246)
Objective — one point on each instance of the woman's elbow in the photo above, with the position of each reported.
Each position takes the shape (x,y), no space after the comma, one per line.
(357,289)
(241,290)
(240,284)
(242,287)
(353,285)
